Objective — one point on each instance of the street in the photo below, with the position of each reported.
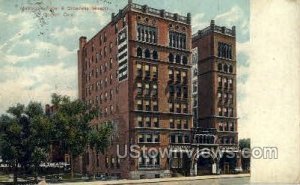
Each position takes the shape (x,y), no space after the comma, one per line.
(240,179)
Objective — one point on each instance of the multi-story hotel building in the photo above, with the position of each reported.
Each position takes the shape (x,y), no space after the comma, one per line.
(137,70)
(217,109)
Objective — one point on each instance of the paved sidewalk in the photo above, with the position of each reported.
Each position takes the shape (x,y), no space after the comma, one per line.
(158,180)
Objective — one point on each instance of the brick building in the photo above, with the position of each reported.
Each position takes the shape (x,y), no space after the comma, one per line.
(217,111)
(137,70)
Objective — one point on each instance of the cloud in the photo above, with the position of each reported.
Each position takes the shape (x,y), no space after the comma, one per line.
(198,22)
(234,16)
(36,84)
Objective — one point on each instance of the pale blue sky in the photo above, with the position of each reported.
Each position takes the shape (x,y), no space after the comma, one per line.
(38,52)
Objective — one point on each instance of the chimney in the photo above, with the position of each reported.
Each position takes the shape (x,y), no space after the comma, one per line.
(82,42)
(189,18)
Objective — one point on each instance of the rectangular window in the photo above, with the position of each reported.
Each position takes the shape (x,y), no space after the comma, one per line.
(139,105)
(141,138)
(139,89)
(148,138)
(178,124)
(172,139)
(171,121)
(155,122)
(147,105)
(147,89)
(156,138)
(154,105)
(185,124)
(147,122)
(140,121)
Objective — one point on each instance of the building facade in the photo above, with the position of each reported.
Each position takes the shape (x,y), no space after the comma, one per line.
(217,90)
(137,71)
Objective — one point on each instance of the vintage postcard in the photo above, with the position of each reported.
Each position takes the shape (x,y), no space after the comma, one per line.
(140,91)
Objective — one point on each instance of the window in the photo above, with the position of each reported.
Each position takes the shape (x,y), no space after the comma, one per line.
(148,138)
(139,52)
(186,139)
(220,67)
(139,88)
(155,55)
(179,138)
(230,83)
(155,106)
(230,69)
(147,105)
(185,124)
(225,68)
(147,89)
(173,139)
(171,57)
(177,40)
(224,50)
(178,76)
(111,109)
(147,122)
(154,72)
(154,90)
(171,121)
(231,128)
(195,87)
(178,91)
(155,122)
(140,121)
(184,108)
(147,71)
(220,111)
(146,33)
(111,94)
(155,138)
(184,77)
(111,63)
(178,124)
(171,75)
(220,96)
(178,110)
(220,126)
(220,81)
(139,70)
(184,60)
(178,59)
(147,53)
(171,108)
(139,104)
(141,138)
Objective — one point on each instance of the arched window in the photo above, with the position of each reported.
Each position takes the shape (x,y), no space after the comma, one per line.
(155,55)
(230,69)
(147,53)
(184,60)
(219,67)
(139,52)
(225,68)
(178,59)
(171,57)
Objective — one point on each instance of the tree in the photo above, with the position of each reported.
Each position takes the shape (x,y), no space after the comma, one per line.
(99,140)
(72,119)
(25,137)
(244,145)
